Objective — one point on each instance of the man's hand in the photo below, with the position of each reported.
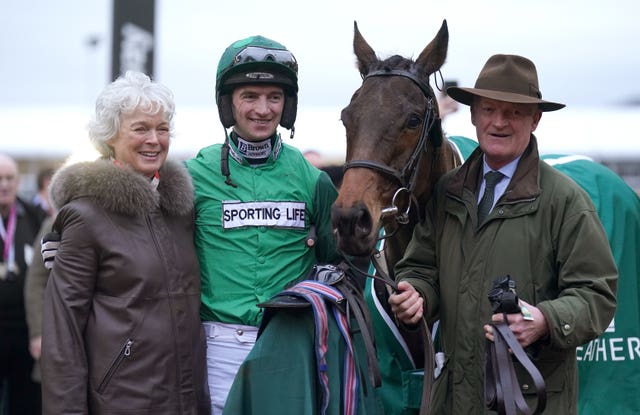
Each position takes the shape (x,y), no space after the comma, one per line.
(48,248)
(526,331)
(407,304)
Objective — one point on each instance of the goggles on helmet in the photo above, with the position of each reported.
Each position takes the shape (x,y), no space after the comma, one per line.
(260,54)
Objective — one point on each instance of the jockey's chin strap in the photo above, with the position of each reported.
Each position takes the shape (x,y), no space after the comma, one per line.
(502,389)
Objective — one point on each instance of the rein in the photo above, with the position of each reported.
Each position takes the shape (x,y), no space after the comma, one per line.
(502,389)
(382,275)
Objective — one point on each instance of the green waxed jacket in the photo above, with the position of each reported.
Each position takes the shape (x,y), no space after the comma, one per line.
(546,234)
(246,265)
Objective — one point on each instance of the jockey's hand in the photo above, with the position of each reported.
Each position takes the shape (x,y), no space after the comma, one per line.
(48,248)
(526,331)
(407,304)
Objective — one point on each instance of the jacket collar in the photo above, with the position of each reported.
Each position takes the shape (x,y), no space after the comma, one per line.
(525,183)
(123,191)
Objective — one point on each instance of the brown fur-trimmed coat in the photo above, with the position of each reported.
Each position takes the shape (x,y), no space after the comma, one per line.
(121,326)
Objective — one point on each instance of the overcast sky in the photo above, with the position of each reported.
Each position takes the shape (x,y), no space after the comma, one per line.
(587,52)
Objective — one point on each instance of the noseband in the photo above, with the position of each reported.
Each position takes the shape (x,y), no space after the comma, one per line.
(407,177)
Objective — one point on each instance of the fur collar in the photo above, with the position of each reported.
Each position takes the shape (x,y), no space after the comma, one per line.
(121,190)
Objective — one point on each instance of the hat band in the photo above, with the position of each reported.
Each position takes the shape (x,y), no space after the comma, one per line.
(507,85)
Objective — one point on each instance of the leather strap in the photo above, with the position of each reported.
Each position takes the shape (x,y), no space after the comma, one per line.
(357,306)
(429,349)
(502,389)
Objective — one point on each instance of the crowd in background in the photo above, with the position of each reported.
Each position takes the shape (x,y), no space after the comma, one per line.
(21,221)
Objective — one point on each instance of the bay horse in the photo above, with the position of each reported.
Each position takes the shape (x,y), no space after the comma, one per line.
(396,152)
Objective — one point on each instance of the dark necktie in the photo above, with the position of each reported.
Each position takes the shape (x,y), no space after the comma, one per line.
(484,207)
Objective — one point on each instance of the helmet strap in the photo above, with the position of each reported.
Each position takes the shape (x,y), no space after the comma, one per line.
(224,161)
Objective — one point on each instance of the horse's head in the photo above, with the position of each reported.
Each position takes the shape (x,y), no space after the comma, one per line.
(393,142)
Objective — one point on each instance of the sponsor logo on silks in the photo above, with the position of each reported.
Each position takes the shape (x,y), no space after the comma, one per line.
(277,146)
(278,214)
(254,150)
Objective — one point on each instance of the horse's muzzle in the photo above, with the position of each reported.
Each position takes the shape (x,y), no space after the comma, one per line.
(353,228)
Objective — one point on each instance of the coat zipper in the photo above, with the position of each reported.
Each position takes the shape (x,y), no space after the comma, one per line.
(124,353)
(169,298)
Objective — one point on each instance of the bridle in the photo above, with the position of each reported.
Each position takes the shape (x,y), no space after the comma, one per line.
(408,176)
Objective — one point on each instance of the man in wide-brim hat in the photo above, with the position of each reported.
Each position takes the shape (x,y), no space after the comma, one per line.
(507,86)
(509,78)
(506,212)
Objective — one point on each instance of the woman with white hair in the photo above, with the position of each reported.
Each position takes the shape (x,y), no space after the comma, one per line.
(121,326)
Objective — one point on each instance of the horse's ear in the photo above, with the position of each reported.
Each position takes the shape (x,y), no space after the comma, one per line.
(365,55)
(434,55)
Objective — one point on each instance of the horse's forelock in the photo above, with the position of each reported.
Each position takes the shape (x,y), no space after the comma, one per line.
(397,62)
(394,62)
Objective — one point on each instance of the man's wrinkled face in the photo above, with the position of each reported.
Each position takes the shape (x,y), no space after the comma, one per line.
(503,128)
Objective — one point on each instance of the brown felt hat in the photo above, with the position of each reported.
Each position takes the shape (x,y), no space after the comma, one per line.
(509,78)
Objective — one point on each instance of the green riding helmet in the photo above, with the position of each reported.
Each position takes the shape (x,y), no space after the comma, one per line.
(257,60)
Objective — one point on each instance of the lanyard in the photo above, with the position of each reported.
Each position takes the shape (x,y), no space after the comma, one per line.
(8,254)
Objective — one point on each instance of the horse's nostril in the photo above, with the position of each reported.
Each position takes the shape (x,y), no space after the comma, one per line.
(354,222)
(363,223)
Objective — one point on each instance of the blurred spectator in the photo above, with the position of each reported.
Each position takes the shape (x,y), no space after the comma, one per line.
(41,198)
(335,172)
(35,282)
(314,157)
(19,225)
(446,104)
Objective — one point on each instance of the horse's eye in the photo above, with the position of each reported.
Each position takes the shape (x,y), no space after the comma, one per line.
(414,121)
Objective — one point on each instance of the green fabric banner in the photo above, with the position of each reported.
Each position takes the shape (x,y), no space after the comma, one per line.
(609,366)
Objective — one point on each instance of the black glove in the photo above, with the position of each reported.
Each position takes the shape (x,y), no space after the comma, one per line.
(49,247)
